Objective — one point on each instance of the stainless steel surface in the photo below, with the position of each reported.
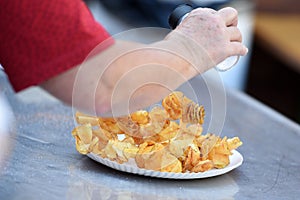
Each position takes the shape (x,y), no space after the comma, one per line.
(45,165)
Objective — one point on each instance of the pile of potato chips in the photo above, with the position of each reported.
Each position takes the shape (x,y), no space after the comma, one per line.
(168,138)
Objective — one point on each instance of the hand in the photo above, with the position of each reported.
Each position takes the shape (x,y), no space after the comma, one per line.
(209,36)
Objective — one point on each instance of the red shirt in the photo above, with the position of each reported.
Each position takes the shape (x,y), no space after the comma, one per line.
(42,38)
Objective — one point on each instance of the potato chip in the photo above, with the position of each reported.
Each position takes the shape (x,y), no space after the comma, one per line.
(84,133)
(94,144)
(103,136)
(221,147)
(158,120)
(178,145)
(86,119)
(81,147)
(166,134)
(109,152)
(149,155)
(220,160)
(191,158)
(206,144)
(194,129)
(128,126)
(203,166)
(234,143)
(128,139)
(110,125)
(119,151)
(170,164)
(167,138)
(96,149)
(173,105)
(158,115)
(180,107)
(193,113)
(140,117)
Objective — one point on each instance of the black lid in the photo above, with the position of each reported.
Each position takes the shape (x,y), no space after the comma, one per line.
(178,13)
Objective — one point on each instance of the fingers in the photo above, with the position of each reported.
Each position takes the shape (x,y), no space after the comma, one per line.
(229,15)
(235,34)
(238,48)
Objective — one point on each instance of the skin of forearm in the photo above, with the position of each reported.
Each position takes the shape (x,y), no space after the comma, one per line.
(125,71)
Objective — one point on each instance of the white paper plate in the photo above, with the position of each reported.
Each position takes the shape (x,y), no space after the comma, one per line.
(236,159)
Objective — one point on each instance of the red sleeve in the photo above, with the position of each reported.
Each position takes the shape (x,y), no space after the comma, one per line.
(40,39)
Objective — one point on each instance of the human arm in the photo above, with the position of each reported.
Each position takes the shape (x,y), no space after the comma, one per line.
(108,80)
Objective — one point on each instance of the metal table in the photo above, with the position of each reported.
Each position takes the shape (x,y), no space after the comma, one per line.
(45,165)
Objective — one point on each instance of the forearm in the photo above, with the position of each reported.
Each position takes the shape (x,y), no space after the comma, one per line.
(123,71)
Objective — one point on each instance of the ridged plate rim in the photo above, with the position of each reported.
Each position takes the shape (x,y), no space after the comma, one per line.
(236,159)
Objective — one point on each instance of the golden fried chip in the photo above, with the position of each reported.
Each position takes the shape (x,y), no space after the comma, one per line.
(138,140)
(234,143)
(110,125)
(86,119)
(155,140)
(206,144)
(130,152)
(84,133)
(192,158)
(169,132)
(220,160)
(129,139)
(158,114)
(193,113)
(179,144)
(128,126)
(83,136)
(108,151)
(195,129)
(177,147)
(119,151)
(158,120)
(131,149)
(94,144)
(221,152)
(170,164)
(173,105)
(149,155)
(221,147)
(203,166)
(166,134)
(96,149)
(103,136)
(140,117)
(81,147)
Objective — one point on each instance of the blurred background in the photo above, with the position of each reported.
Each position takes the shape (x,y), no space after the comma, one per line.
(270,28)
(274,72)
